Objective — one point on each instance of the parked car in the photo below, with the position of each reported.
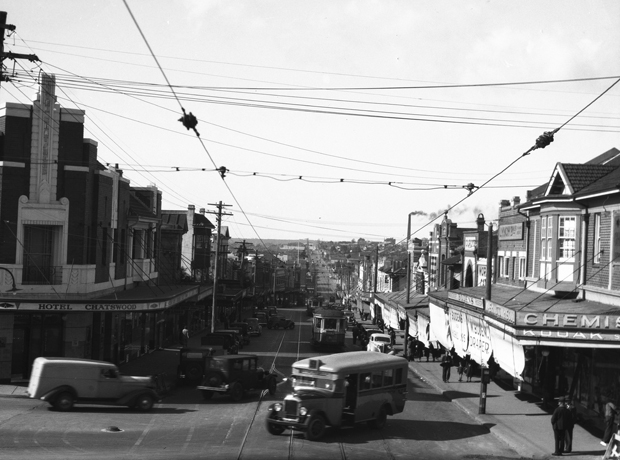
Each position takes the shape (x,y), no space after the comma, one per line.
(243,330)
(272,311)
(365,331)
(254,327)
(262,318)
(192,363)
(235,333)
(379,342)
(63,382)
(277,322)
(226,341)
(235,375)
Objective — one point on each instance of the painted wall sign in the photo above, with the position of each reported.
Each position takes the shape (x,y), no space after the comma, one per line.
(470,243)
(511,231)
(469,300)
(568,320)
(561,334)
(500,311)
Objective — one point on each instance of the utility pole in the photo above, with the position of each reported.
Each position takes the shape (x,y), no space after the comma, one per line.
(219,213)
(4,26)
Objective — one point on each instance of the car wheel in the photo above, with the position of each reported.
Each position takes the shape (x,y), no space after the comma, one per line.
(315,428)
(64,401)
(380,421)
(272,385)
(206,394)
(272,428)
(144,402)
(194,372)
(236,391)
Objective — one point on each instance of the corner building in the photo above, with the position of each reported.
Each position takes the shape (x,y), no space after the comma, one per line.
(78,266)
(552,321)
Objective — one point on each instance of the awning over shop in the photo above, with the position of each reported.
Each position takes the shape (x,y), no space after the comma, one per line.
(440,325)
(423,330)
(508,352)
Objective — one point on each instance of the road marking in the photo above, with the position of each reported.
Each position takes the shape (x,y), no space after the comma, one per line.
(145,432)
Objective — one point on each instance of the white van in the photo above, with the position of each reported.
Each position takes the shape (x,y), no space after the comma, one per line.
(65,381)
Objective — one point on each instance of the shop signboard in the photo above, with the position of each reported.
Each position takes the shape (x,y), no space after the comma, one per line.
(479,340)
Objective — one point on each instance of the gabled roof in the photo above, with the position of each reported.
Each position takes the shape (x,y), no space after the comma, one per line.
(202,221)
(571,178)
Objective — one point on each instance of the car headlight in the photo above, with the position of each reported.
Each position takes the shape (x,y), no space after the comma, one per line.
(277,407)
(303,411)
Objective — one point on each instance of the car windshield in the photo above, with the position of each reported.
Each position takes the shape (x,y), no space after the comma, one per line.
(381,339)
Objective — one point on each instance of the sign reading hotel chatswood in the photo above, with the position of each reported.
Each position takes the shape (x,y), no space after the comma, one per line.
(511,231)
(569,326)
(469,300)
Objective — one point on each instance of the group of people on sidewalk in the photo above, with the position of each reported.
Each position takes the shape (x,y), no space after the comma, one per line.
(465,366)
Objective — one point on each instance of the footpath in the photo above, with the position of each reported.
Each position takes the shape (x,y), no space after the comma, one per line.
(517,419)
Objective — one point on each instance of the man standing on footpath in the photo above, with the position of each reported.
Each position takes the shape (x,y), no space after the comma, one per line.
(611,412)
(560,421)
(185,336)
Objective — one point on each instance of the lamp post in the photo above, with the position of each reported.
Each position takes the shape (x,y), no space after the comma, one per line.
(13,289)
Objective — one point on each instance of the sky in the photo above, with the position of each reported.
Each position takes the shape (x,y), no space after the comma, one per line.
(335,120)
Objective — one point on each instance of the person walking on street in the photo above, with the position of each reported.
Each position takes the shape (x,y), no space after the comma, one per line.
(446,363)
(568,435)
(560,420)
(392,333)
(355,333)
(461,369)
(431,350)
(185,336)
(611,412)
(469,368)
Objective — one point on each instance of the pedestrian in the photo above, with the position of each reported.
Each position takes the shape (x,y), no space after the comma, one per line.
(568,435)
(431,350)
(560,421)
(469,368)
(411,349)
(185,336)
(611,412)
(461,369)
(355,333)
(392,333)
(446,364)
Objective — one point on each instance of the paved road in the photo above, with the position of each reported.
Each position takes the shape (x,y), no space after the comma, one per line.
(185,426)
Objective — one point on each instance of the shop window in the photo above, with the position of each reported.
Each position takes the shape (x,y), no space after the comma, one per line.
(521,268)
(566,237)
(501,264)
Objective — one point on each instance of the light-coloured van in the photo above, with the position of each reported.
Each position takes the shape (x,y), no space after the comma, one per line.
(64,382)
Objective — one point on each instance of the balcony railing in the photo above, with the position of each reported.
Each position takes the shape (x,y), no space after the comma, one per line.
(42,275)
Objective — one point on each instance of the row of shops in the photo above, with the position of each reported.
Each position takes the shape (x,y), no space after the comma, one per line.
(545,346)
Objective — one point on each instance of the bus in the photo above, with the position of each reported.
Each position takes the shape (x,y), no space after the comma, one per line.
(341,390)
(329,327)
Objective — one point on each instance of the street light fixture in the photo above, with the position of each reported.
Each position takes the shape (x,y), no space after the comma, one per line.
(13,289)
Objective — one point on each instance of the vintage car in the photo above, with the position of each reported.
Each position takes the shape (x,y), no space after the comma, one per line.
(277,322)
(192,363)
(63,382)
(262,318)
(226,341)
(365,331)
(243,330)
(272,311)
(254,327)
(235,375)
(379,342)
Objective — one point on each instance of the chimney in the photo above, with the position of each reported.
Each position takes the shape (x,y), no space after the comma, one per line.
(202,211)
(191,207)
(504,203)
(480,222)
(516,201)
